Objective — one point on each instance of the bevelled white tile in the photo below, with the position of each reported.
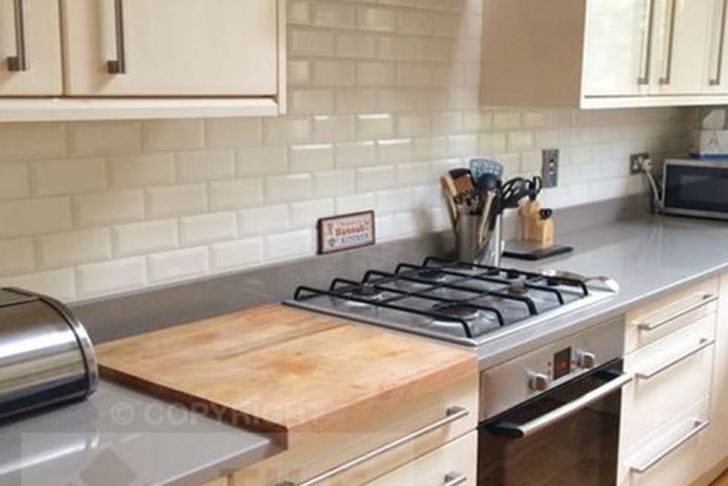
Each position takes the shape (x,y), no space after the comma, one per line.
(288,245)
(310,43)
(59,284)
(356,45)
(334,183)
(307,213)
(333,128)
(285,188)
(173,265)
(74,247)
(375,178)
(334,14)
(236,193)
(108,207)
(205,165)
(206,228)
(268,219)
(311,158)
(234,132)
(104,138)
(141,170)
(16,256)
(355,154)
(24,217)
(23,141)
(355,203)
(236,254)
(374,125)
(261,161)
(149,236)
(333,73)
(69,176)
(177,200)
(14,180)
(395,150)
(376,18)
(159,135)
(110,277)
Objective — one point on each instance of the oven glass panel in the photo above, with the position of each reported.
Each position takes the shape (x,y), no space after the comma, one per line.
(697,188)
(580,450)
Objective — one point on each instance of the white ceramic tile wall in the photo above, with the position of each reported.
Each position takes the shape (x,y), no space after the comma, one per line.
(383,98)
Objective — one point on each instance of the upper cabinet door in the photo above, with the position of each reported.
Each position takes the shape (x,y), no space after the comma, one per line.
(30,48)
(171,47)
(716,77)
(617,47)
(683,33)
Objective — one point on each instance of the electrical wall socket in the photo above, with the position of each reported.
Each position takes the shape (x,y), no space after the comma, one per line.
(550,167)
(635,162)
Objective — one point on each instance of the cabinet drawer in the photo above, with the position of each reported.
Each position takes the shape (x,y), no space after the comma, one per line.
(373,445)
(453,464)
(665,316)
(670,377)
(670,456)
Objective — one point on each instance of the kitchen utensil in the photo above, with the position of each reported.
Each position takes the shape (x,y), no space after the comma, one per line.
(449,192)
(513,191)
(535,186)
(481,167)
(46,356)
(462,179)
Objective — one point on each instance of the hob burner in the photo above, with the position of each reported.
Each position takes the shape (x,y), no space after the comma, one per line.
(458,311)
(432,274)
(365,291)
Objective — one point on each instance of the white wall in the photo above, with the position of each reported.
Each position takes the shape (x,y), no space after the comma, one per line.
(384,98)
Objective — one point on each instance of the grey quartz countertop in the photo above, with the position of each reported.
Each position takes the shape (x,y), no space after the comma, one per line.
(647,256)
(119,437)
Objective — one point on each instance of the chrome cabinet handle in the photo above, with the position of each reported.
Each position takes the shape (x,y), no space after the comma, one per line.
(666,79)
(644,79)
(646,375)
(703,300)
(716,81)
(19,62)
(455,479)
(516,431)
(118,65)
(648,463)
(452,414)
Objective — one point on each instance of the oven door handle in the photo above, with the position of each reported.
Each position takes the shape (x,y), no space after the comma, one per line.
(518,431)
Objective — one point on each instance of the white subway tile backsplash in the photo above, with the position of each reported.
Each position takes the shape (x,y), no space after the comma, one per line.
(34,216)
(205,165)
(288,245)
(236,254)
(105,208)
(14,180)
(206,228)
(146,237)
(177,200)
(114,276)
(16,256)
(141,170)
(269,219)
(173,265)
(74,247)
(236,193)
(70,176)
(385,98)
(60,284)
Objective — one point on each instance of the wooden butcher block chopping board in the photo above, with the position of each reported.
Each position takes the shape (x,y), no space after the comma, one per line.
(283,370)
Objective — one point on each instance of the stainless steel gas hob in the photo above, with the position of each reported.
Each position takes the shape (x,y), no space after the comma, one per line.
(458,302)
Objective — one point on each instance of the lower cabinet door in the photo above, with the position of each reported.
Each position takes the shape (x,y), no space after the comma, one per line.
(454,464)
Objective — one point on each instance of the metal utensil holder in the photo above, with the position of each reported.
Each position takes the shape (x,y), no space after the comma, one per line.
(470,247)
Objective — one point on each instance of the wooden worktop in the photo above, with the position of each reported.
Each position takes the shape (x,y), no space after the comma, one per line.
(283,370)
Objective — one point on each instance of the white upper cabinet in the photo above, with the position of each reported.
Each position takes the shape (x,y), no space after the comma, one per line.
(30,46)
(617,47)
(170,47)
(681,48)
(605,53)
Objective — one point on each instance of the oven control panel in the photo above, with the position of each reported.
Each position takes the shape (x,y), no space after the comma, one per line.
(550,366)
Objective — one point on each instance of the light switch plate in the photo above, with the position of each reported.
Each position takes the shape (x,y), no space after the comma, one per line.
(550,167)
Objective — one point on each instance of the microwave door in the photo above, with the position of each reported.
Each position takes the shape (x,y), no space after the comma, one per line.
(696,190)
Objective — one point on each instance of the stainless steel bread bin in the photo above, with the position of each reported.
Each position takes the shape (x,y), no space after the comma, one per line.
(46,356)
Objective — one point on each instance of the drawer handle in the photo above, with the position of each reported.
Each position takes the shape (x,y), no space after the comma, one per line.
(702,300)
(118,65)
(721,41)
(19,62)
(455,479)
(644,78)
(453,414)
(646,375)
(650,462)
(666,79)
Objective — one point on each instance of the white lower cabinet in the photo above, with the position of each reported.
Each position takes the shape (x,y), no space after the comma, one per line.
(450,465)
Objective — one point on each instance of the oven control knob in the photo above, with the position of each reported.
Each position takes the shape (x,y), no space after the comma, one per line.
(586,361)
(538,382)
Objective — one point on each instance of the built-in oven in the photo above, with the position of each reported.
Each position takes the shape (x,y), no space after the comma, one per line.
(696,188)
(552,417)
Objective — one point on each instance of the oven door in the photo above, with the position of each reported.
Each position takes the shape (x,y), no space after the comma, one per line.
(567,436)
(696,188)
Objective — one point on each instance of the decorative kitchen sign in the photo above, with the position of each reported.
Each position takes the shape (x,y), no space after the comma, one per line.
(346,232)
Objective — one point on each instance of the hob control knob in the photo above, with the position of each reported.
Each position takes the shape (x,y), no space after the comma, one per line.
(538,382)
(587,361)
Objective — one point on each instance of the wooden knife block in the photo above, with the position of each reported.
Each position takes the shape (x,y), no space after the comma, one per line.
(534,228)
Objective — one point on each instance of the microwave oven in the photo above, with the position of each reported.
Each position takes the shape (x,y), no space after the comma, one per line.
(696,187)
